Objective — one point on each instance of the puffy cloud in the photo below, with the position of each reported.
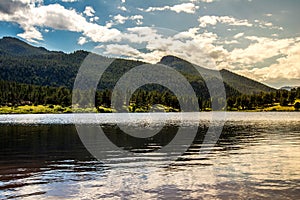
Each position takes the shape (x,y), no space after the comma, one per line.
(213,20)
(283,55)
(269,25)
(259,50)
(31,34)
(94,19)
(119,19)
(230,42)
(82,41)
(130,52)
(123,8)
(32,15)
(184,7)
(188,45)
(117,49)
(286,67)
(89,11)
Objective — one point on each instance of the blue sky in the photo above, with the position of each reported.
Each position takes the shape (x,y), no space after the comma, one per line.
(256,38)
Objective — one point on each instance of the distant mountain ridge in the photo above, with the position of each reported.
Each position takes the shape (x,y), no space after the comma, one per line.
(24,63)
(240,83)
(16,47)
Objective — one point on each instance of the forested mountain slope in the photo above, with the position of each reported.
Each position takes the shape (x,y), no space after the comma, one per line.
(23,63)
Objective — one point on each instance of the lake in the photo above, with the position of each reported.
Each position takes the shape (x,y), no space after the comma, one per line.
(257,156)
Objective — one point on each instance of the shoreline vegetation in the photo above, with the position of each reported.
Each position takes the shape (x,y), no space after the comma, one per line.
(16,98)
(58,109)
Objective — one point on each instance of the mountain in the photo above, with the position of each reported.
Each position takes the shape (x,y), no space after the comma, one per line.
(243,84)
(231,80)
(15,47)
(23,63)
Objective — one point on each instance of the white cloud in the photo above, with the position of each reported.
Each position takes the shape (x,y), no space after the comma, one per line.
(130,52)
(191,33)
(238,35)
(82,41)
(229,42)
(286,67)
(119,19)
(56,17)
(117,49)
(184,7)
(251,61)
(31,34)
(213,20)
(268,25)
(89,11)
(140,34)
(260,49)
(123,8)
(188,45)
(94,19)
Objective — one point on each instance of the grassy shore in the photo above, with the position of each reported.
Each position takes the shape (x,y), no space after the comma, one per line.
(42,109)
(57,109)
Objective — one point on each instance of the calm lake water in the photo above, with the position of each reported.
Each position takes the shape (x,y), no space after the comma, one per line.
(256,157)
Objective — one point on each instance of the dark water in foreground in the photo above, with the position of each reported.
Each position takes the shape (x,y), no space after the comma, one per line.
(256,157)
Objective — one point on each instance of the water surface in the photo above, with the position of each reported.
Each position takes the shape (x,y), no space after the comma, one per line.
(256,157)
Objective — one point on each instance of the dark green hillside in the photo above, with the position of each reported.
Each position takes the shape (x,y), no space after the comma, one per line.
(16,47)
(243,84)
(199,80)
(234,83)
(45,70)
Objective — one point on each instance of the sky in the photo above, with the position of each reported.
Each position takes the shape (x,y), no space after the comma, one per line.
(259,39)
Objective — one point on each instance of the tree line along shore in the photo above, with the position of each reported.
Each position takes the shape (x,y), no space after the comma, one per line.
(25,98)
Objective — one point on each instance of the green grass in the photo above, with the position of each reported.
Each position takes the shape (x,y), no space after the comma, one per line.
(280,108)
(275,107)
(43,109)
(57,109)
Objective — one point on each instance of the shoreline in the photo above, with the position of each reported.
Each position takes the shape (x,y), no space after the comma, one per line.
(57,109)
